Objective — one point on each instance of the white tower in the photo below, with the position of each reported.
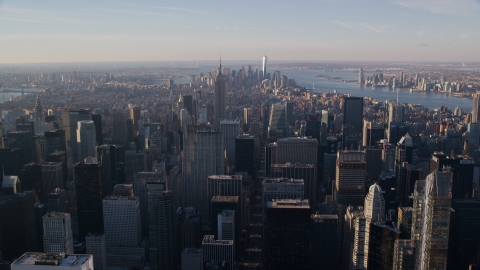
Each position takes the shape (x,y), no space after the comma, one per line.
(57,233)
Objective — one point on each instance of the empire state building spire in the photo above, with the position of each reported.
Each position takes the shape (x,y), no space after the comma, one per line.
(220,97)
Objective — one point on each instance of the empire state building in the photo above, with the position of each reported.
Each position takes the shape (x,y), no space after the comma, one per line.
(220,98)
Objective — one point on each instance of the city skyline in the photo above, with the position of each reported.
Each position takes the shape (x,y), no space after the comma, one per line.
(396,30)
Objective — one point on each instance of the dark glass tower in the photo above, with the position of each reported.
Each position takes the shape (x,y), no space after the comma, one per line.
(324,252)
(97,122)
(17,225)
(55,140)
(353,113)
(287,235)
(31,179)
(69,124)
(90,192)
(462,169)
(381,246)
(245,154)
(166,218)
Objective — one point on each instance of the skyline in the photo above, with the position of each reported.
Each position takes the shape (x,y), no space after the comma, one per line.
(114,31)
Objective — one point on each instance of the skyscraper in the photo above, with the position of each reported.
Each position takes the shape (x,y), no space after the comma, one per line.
(360,76)
(95,244)
(353,113)
(17,225)
(86,139)
(166,218)
(55,140)
(119,123)
(374,211)
(69,124)
(350,178)
(264,65)
(203,156)
(462,168)
(121,216)
(56,201)
(135,114)
(287,235)
(230,130)
(433,245)
(220,102)
(476,108)
(324,252)
(218,251)
(90,191)
(97,120)
(57,233)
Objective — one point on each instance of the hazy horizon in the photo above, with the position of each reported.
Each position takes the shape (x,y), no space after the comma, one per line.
(325,30)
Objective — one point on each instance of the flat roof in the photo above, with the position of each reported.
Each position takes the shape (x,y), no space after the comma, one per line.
(225,199)
(289,203)
(69,260)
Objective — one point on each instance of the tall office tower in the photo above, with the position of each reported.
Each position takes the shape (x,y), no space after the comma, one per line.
(189,228)
(350,178)
(433,245)
(17,225)
(354,238)
(119,126)
(218,251)
(406,151)
(56,201)
(90,190)
(327,126)
(247,119)
(97,121)
(202,157)
(224,185)
(313,125)
(189,104)
(404,254)
(86,139)
(220,203)
(147,186)
(135,114)
(22,140)
(396,113)
(280,188)
(192,259)
(374,211)
(303,151)
(69,124)
(407,176)
(95,244)
(43,261)
(373,157)
(106,154)
(264,65)
(230,130)
(226,225)
(361,78)
(134,162)
(462,168)
(57,233)
(245,154)
(464,236)
(55,141)
(52,176)
(476,108)
(10,161)
(372,133)
(40,211)
(167,244)
(150,185)
(417,210)
(381,246)
(121,218)
(31,179)
(324,247)
(287,235)
(220,99)
(388,183)
(404,223)
(278,119)
(353,113)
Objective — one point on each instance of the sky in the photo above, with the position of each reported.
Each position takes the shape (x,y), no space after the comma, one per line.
(33,31)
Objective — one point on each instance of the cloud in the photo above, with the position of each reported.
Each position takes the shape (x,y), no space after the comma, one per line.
(424,45)
(420,33)
(466,35)
(374,28)
(344,24)
(460,7)
(169,8)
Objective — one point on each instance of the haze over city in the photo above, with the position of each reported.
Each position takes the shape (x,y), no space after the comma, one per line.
(96,31)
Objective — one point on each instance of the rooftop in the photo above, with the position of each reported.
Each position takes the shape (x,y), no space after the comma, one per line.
(60,259)
(283,181)
(210,239)
(289,203)
(231,199)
